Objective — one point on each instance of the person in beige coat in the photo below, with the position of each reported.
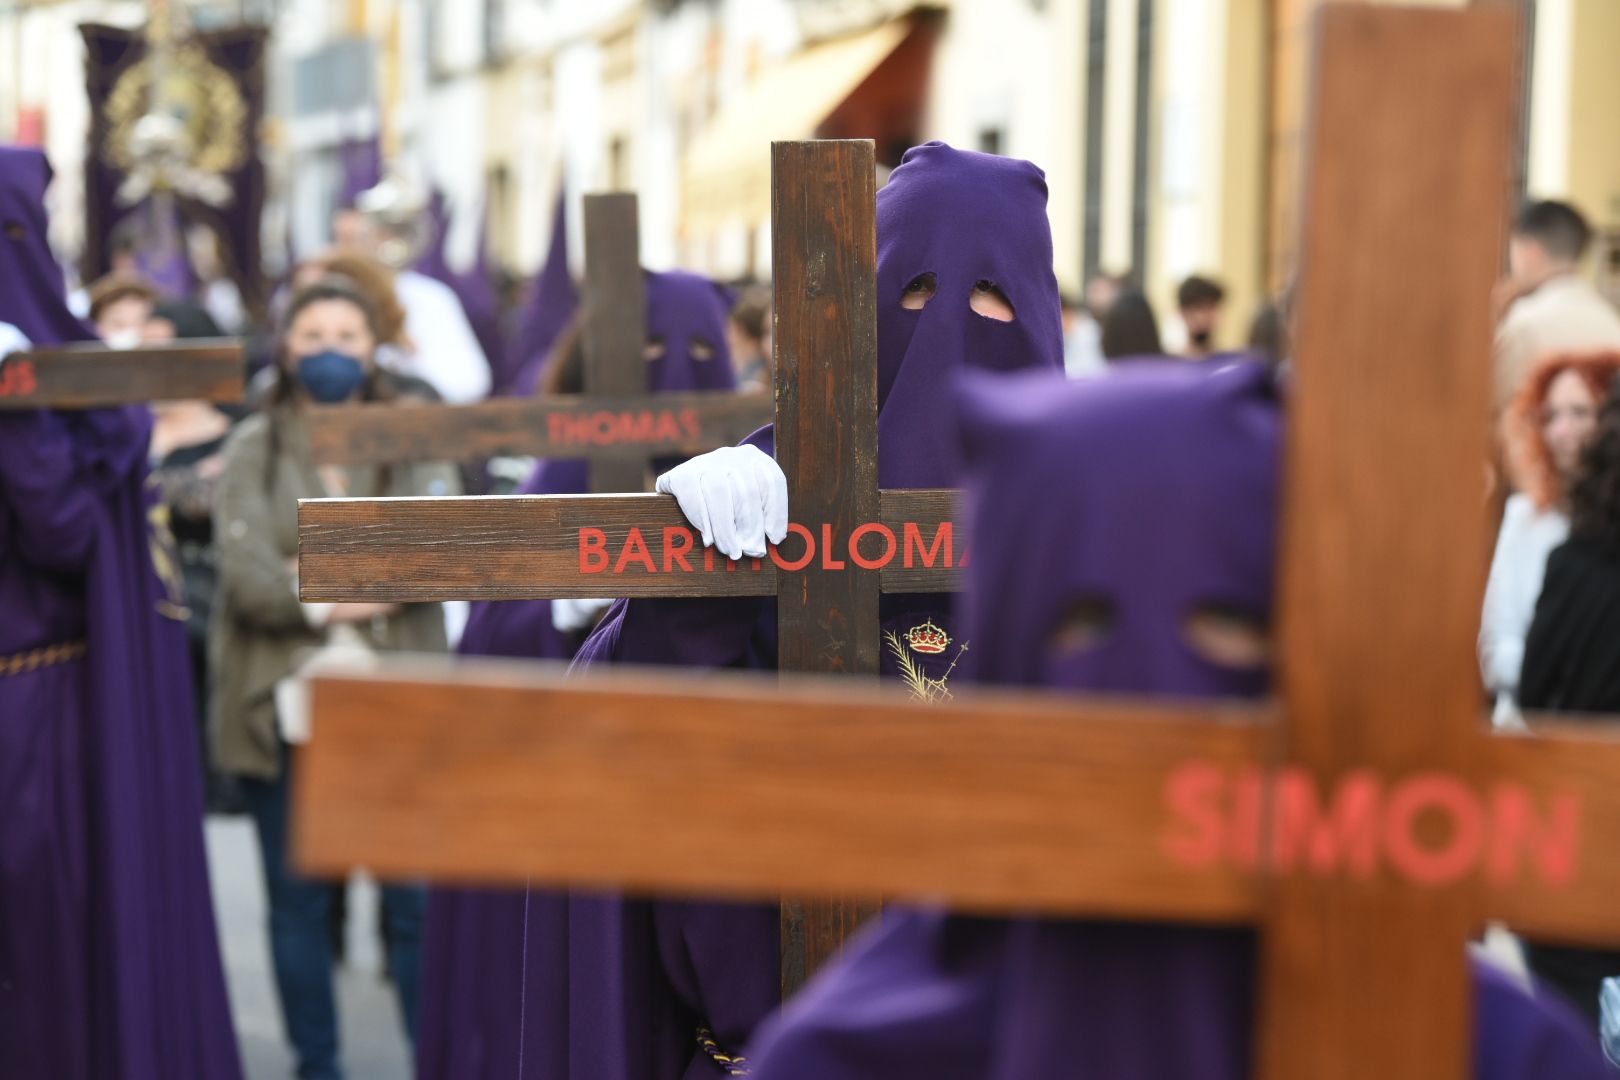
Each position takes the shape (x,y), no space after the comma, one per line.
(1547,306)
(261,634)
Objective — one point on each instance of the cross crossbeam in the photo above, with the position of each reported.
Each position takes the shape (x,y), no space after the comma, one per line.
(88,375)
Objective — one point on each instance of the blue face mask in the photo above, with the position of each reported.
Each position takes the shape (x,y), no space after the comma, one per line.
(330,376)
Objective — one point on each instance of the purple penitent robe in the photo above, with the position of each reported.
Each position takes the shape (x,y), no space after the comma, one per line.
(109,965)
(503,994)
(1146,495)
(686,982)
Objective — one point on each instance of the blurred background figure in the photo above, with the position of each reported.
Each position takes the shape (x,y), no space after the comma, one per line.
(749,332)
(188,439)
(1545,430)
(1200,300)
(1130,329)
(120,305)
(1268,332)
(1572,654)
(262,635)
(1082,324)
(1546,305)
(444,352)
(397,352)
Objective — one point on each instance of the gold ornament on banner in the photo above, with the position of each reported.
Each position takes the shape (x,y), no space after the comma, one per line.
(183,131)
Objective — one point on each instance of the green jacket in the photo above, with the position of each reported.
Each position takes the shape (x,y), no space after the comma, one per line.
(259,632)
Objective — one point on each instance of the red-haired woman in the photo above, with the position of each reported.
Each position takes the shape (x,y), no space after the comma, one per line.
(1546,426)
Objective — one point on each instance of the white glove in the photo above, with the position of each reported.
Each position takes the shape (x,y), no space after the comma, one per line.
(736,497)
(571,615)
(12,340)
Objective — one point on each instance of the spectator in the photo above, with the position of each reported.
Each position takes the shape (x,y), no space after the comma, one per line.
(1547,306)
(120,305)
(749,330)
(396,350)
(261,632)
(1547,425)
(1200,300)
(1572,656)
(446,353)
(1130,329)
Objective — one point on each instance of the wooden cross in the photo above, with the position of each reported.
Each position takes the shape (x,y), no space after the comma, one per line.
(88,375)
(1366,821)
(853,541)
(615,424)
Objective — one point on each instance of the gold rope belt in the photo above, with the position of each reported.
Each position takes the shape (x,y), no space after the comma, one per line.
(44,656)
(731,1065)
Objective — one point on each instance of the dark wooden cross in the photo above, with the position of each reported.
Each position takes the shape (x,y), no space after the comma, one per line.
(825,336)
(1366,820)
(616,423)
(87,375)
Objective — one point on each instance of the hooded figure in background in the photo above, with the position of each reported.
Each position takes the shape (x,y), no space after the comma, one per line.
(551,303)
(1143,563)
(964,279)
(496,968)
(109,964)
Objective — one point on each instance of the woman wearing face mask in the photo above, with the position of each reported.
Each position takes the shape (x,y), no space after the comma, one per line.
(261,632)
(1544,430)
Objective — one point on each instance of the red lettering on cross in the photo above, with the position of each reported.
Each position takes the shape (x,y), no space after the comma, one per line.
(593,554)
(18,378)
(1431,829)
(912,536)
(691,425)
(635,550)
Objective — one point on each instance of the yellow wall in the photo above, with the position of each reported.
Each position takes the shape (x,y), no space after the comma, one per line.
(1207,208)
(1594,146)
(1119,134)
(1240,214)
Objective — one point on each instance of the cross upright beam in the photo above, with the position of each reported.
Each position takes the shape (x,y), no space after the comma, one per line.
(88,375)
(1384,534)
(824,271)
(615,319)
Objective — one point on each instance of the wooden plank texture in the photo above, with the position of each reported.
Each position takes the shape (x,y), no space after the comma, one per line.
(528,546)
(615,320)
(1383,533)
(89,375)
(824,338)
(995,801)
(997,805)
(1568,768)
(598,428)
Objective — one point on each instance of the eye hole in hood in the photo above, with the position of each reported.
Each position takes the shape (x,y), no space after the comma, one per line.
(990,301)
(919,291)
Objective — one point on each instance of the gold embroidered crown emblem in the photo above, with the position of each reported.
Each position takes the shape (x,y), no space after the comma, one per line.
(927,638)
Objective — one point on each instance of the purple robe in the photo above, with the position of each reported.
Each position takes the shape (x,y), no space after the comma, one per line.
(959,218)
(552,300)
(505,993)
(109,964)
(1145,493)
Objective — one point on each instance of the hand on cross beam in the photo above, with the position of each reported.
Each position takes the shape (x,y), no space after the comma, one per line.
(736,497)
